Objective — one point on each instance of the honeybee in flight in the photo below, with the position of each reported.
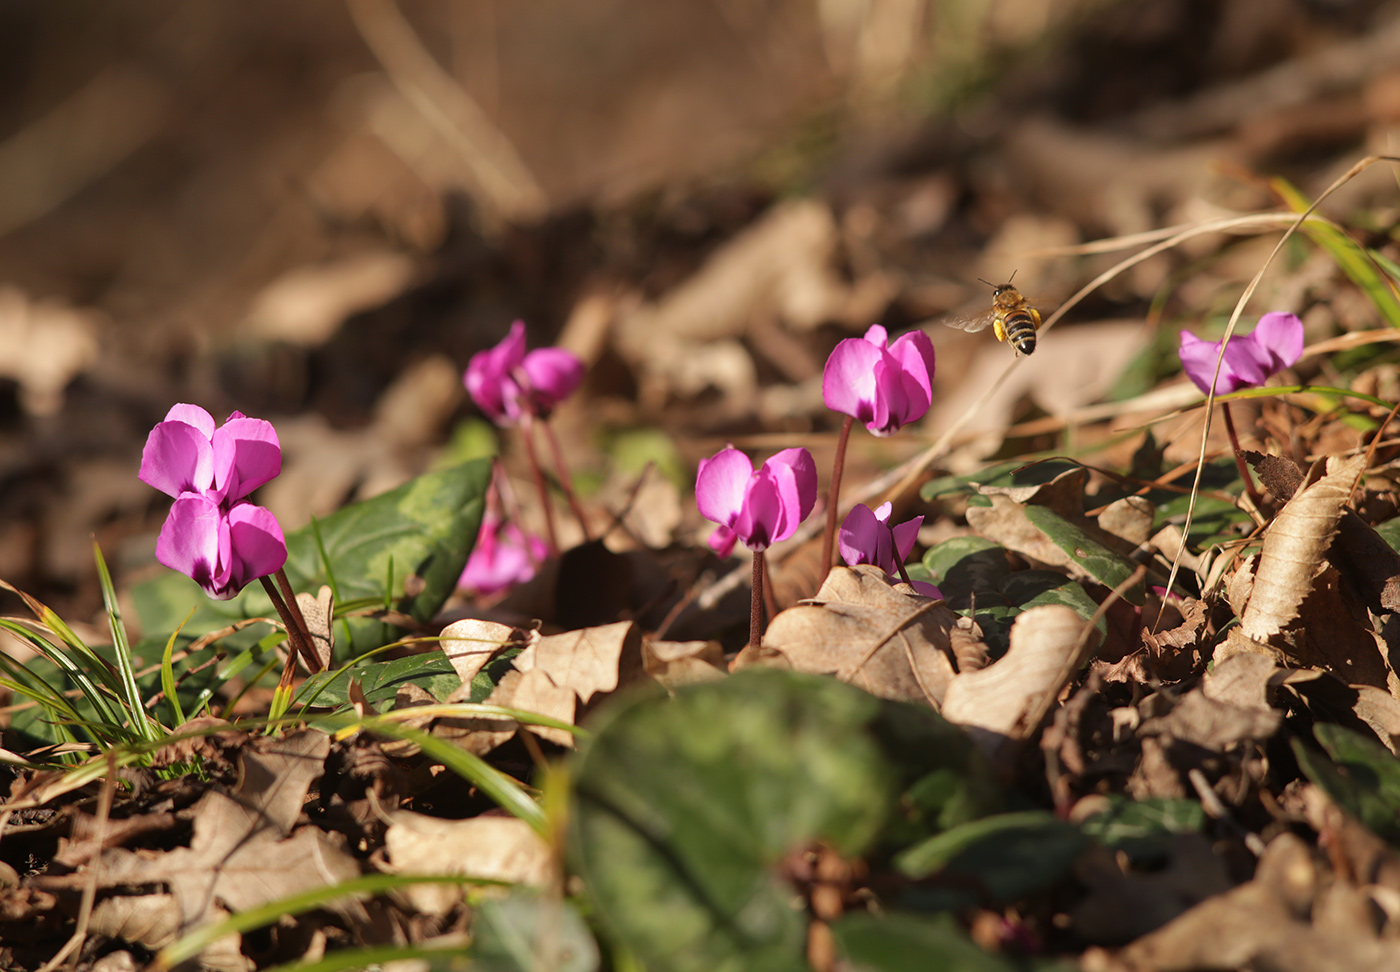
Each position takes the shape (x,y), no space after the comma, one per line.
(1013,317)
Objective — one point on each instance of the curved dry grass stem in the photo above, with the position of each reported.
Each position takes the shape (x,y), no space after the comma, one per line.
(1342,180)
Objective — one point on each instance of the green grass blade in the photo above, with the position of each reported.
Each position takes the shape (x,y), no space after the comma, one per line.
(347,636)
(507,792)
(98,696)
(1353,259)
(141,722)
(167,674)
(199,939)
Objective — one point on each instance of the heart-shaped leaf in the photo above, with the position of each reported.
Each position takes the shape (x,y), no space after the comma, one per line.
(689,809)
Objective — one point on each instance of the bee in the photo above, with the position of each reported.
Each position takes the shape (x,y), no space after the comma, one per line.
(1013,317)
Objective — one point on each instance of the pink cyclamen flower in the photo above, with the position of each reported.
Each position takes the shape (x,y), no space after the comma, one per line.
(504,556)
(220,549)
(884,387)
(506,382)
(866,537)
(757,506)
(1276,343)
(187,454)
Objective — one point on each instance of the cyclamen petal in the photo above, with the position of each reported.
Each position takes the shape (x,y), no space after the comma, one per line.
(220,550)
(848,380)
(867,538)
(721,484)
(1249,361)
(504,555)
(552,375)
(759,507)
(178,458)
(187,453)
(505,382)
(884,387)
(247,454)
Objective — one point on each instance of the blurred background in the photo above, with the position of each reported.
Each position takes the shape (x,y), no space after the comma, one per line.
(315,212)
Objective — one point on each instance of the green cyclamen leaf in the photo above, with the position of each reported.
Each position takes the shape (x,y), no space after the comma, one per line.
(686,810)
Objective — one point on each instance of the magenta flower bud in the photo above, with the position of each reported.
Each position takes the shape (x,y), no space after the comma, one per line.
(504,556)
(759,507)
(221,550)
(505,382)
(884,387)
(866,537)
(1276,343)
(186,454)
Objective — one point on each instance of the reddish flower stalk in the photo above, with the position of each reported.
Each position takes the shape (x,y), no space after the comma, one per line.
(759,507)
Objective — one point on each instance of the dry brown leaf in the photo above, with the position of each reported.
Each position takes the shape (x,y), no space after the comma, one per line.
(999,704)
(318,612)
(492,847)
(1130,519)
(244,852)
(470,643)
(590,660)
(1229,708)
(1295,547)
(1263,924)
(306,305)
(865,632)
(149,920)
(1064,494)
(1120,907)
(1370,566)
(677,663)
(531,691)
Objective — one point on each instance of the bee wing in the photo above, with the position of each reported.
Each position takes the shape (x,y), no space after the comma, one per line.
(972,323)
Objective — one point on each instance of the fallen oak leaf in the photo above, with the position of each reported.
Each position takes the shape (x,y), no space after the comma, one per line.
(244,851)
(865,632)
(589,660)
(1295,547)
(494,848)
(998,704)
(471,643)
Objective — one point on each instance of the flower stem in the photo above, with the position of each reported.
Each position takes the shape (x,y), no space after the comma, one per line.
(294,609)
(300,644)
(833,499)
(903,572)
(1254,496)
(566,481)
(527,430)
(756,605)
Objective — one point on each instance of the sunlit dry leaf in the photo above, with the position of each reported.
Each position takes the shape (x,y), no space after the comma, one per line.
(863,631)
(244,852)
(470,643)
(998,703)
(318,611)
(1295,547)
(1264,924)
(589,660)
(149,920)
(1130,519)
(43,346)
(1230,707)
(676,663)
(307,304)
(499,848)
